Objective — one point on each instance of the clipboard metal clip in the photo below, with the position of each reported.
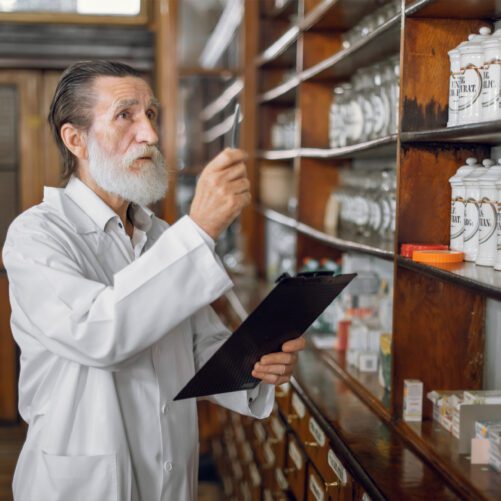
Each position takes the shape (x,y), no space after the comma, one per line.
(306,274)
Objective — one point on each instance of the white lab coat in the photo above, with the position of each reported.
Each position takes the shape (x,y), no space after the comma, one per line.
(109,331)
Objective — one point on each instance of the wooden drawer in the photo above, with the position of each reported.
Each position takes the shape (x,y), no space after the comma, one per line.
(283,398)
(318,489)
(280,487)
(326,460)
(296,468)
(245,453)
(255,481)
(278,440)
(297,416)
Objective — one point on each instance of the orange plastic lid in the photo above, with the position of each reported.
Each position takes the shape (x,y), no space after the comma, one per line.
(437,256)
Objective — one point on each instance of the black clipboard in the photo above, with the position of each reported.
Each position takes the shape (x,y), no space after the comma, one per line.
(288,310)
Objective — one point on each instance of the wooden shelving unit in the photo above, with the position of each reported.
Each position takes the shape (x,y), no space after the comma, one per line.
(438,311)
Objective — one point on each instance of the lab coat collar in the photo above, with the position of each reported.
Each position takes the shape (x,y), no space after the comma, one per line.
(86,211)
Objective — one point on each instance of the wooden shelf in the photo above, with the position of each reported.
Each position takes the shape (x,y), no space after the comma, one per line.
(220,103)
(345,242)
(338,15)
(374,452)
(441,447)
(278,154)
(381,147)
(383,41)
(281,94)
(483,133)
(481,279)
(448,9)
(364,384)
(279,46)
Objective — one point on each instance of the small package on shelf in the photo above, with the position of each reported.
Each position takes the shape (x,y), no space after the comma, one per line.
(413,400)
(445,403)
(482,397)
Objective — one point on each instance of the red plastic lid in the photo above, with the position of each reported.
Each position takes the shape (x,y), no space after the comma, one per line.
(407,249)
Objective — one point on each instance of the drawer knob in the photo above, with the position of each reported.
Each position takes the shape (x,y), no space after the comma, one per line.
(289,470)
(273,441)
(328,485)
(292,417)
(311,444)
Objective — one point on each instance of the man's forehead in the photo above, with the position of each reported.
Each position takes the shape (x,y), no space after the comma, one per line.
(109,91)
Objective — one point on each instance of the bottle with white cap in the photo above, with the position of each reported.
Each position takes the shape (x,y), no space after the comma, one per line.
(497,265)
(491,78)
(471,214)
(488,214)
(458,202)
(454,82)
(471,58)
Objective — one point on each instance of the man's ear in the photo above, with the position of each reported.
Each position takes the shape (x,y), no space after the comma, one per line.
(75,140)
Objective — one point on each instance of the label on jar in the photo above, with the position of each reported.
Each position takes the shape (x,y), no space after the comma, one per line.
(298,405)
(491,75)
(453,97)
(316,432)
(470,87)
(487,221)
(457,219)
(471,220)
(499,225)
(295,455)
(378,112)
(337,467)
(316,489)
(277,427)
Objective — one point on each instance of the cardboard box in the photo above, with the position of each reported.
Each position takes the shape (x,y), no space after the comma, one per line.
(413,400)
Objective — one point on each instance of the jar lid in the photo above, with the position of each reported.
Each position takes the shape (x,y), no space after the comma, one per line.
(438,256)
(407,250)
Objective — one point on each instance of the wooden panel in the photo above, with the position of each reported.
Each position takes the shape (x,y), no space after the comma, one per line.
(444,350)
(424,190)
(166,88)
(318,46)
(317,179)
(52,162)
(425,69)
(314,102)
(250,225)
(8,357)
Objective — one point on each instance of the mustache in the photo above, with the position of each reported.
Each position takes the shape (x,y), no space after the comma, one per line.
(138,152)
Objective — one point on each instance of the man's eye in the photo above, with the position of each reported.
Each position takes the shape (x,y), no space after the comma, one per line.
(151,114)
(124,115)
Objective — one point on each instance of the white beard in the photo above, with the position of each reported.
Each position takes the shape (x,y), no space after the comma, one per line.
(144,186)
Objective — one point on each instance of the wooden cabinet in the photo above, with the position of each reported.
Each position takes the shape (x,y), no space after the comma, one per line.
(345,427)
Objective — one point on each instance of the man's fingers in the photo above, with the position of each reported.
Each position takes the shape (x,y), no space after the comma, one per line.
(271,378)
(235,171)
(227,158)
(278,358)
(278,369)
(293,345)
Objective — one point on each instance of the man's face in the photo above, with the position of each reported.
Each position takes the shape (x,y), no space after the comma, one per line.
(122,142)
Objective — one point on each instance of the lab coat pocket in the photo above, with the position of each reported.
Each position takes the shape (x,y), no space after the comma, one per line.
(80,478)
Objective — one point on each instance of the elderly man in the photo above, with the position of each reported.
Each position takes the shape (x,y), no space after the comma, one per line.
(110,304)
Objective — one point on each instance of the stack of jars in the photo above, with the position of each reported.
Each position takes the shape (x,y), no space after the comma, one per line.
(283,131)
(475,79)
(475,212)
(370,23)
(367,107)
(364,203)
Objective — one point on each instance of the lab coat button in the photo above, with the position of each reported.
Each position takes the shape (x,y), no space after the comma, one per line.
(168,466)
(164,408)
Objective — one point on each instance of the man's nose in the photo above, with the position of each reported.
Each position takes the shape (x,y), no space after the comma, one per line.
(147,132)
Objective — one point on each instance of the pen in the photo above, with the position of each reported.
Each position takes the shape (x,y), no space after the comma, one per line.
(234,130)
